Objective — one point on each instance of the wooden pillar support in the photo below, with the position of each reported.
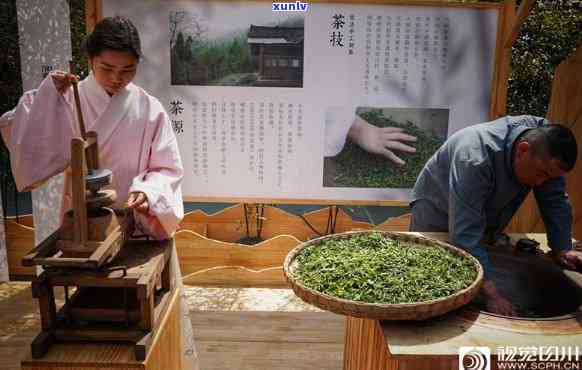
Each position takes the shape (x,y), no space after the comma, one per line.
(502,69)
(522,14)
(167,273)
(92,14)
(146,321)
(79,173)
(42,291)
(363,350)
(41,344)
(92,151)
(366,349)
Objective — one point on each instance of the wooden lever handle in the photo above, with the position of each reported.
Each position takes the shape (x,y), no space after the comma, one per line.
(78,105)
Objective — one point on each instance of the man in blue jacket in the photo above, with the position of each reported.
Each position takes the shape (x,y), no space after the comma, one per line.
(476,181)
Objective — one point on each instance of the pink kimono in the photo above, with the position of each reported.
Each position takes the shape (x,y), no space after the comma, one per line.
(136,142)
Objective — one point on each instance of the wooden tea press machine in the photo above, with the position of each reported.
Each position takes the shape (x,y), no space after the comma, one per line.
(116,289)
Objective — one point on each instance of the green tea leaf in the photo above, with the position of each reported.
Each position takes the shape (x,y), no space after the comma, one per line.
(372,268)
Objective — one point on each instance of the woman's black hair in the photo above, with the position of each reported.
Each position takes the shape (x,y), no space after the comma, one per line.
(113,33)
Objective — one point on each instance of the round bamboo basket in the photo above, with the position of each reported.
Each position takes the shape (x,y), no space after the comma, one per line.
(404,311)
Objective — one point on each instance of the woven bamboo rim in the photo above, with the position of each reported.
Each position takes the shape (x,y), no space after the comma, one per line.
(401,311)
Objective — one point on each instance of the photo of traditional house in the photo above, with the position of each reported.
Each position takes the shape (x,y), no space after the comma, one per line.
(265,52)
(278,52)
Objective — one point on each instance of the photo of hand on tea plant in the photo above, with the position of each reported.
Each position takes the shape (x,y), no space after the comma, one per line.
(381,140)
(386,148)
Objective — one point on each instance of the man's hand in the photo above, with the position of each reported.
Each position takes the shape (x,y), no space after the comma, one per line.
(138,201)
(571,259)
(495,302)
(63,80)
(381,140)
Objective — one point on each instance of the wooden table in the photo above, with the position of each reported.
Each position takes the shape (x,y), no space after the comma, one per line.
(165,352)
(125,315)
(434,344)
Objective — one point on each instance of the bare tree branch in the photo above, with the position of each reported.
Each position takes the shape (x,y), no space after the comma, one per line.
(187,23)
(176,18)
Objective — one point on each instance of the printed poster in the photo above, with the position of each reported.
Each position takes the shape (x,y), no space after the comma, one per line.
(326,102)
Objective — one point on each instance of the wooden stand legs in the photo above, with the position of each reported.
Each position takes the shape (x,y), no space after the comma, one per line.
(366,349)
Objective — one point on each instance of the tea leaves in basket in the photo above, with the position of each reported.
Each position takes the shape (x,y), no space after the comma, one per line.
(375,269)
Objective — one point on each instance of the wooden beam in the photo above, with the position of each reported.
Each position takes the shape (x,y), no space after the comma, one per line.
(93,14)
(79,173)
(502,61)
(522,14)
(92,151)
(46,248)
(438,3)
(356,202)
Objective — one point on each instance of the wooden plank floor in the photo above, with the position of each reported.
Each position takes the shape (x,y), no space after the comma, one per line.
(240,340)
(19,323)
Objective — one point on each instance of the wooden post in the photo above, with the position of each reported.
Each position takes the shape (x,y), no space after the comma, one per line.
(92,151)
(93,14)
(167,274)
(364,347)
(80,119)
(146,299)
(502,61)
(41,344)
(42,291)
(78,175)
(522,14)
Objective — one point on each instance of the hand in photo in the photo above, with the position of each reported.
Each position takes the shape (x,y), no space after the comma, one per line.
(381,140)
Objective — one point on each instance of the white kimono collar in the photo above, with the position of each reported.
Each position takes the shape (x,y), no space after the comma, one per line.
(113,108)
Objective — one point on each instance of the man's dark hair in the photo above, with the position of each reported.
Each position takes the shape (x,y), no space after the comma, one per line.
(114,33)
(554,141)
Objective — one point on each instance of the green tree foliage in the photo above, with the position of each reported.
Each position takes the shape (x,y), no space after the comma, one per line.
(10,81)
(549,35)
(196,60)
(78,34)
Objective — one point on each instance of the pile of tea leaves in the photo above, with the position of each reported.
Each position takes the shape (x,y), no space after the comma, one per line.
(372,268)
(358,168)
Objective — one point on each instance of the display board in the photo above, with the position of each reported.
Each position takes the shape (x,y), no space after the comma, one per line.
(320,103)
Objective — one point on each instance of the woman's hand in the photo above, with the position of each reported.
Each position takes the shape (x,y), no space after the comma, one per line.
(63,80)
(138,201)
(381,140)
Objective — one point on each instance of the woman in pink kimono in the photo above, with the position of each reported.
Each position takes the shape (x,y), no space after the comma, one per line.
(136,140)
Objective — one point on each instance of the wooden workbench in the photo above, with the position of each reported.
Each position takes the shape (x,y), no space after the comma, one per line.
(165,352)
(434,344)
(105,330)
